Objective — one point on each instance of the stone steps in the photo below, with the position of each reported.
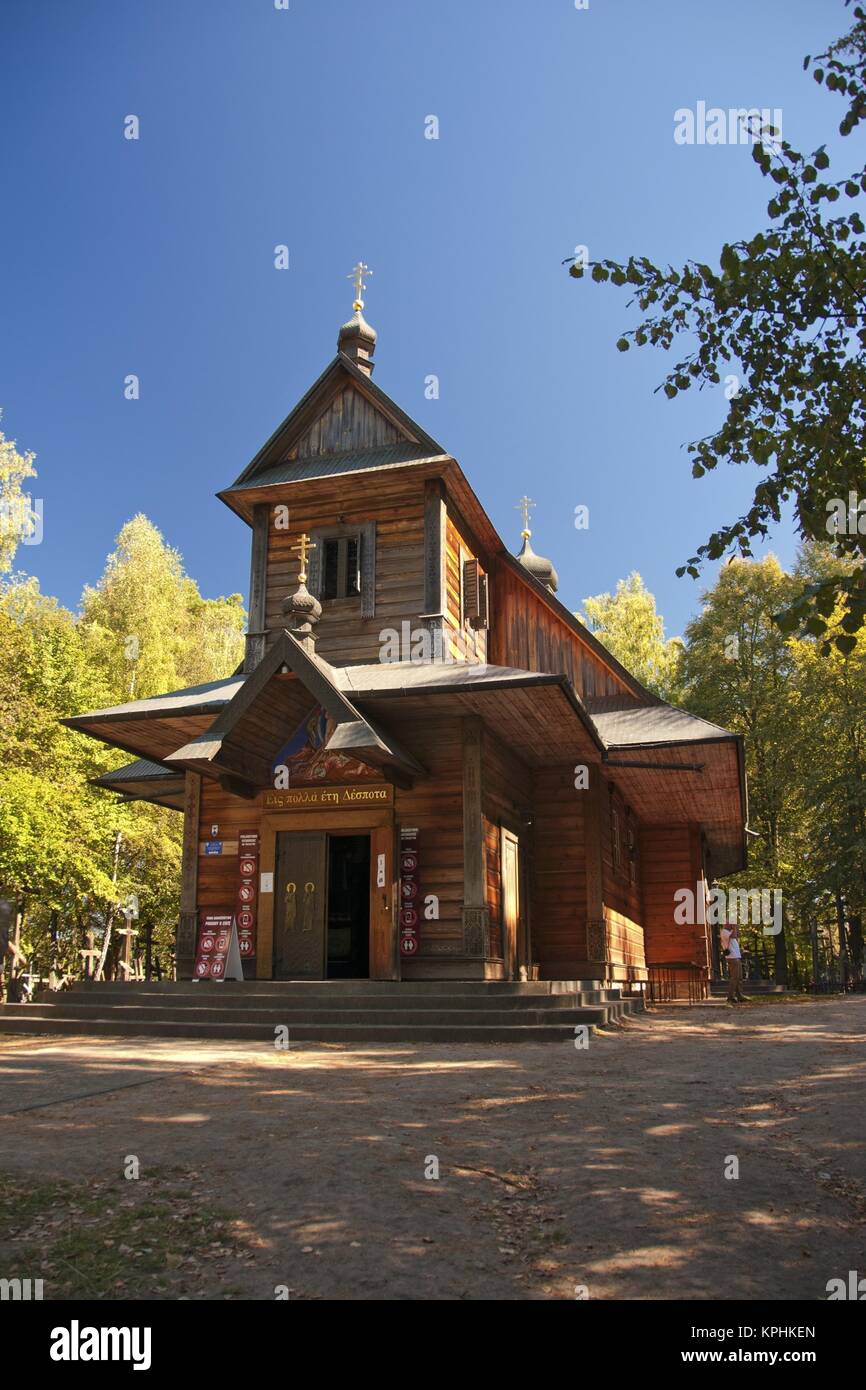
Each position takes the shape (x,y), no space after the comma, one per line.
(339,1011)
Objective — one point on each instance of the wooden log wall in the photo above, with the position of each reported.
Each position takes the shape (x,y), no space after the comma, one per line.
(527,634)
(465,643)
(342,635)
(435,806)
(670,860)
(623,912)
(506,800)
(559,888)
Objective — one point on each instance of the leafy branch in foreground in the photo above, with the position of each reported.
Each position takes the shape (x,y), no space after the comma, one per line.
(783,320)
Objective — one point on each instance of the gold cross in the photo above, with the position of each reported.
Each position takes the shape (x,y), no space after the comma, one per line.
(360,272)
(523,506)
(304,545)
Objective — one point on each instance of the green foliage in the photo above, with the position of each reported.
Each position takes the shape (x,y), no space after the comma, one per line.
(631,629)
(71,854)
(785,315)
(146,625)
(802,712)
(16,514)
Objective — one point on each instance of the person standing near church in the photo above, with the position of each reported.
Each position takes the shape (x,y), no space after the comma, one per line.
(734,956)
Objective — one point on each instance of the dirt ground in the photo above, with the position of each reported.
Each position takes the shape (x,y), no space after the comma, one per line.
(562,1172)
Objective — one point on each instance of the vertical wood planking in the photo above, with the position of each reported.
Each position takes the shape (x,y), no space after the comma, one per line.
(186,932)
(258,586)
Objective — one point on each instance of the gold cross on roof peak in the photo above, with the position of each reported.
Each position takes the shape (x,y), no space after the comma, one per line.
(359,274)
(523,506)
(302,549)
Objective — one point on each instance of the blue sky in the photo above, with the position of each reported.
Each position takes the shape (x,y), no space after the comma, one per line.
(306,127)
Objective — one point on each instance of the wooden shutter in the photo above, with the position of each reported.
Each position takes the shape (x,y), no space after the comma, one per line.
(470,590)
(475,611)
(483,618)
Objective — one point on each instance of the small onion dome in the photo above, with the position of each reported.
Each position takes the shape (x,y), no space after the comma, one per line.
(358,341)
(538,567)
(302,606)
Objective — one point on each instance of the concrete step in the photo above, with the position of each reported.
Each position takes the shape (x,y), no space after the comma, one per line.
(481,989)
(273,1017)
(345,1011)
(323,1000)
(307,1032)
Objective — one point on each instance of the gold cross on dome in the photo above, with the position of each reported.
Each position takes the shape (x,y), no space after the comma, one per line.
(302,548)
(359,274)
(523,506)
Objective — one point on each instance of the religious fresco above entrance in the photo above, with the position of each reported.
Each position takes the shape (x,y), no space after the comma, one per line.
(308,760)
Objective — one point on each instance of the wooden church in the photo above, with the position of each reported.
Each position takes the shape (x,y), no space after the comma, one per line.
(427,767)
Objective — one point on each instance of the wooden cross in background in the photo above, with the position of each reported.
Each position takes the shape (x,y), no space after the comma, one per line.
(523,506)
(358,275)
(302,549)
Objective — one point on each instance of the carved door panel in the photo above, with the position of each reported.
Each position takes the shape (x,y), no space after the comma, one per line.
(300,884)
(510,901)
(383,908)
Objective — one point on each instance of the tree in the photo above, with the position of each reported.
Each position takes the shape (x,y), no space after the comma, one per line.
(634,632)
(737,672)
(828,751)
(17,518)
(71,855)
(148,627)
(783,319)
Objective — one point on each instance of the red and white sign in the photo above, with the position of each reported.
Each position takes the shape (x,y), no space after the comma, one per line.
(214,940)
(248,872)
(410,888)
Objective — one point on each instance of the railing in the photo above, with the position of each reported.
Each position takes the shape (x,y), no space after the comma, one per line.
(664,981)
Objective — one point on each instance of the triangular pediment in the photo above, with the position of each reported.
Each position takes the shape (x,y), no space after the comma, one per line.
(287,686)
(343,416)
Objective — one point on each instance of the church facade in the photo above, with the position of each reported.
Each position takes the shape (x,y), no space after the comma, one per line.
(427,767)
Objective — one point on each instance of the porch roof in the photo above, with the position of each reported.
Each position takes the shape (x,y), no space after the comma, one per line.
(671,766)
(144,780)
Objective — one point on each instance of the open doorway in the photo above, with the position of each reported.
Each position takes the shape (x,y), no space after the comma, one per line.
(348,925)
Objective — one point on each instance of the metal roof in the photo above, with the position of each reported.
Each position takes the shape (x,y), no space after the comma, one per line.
(332,465)
(195,699)
(142,770)
(648,725)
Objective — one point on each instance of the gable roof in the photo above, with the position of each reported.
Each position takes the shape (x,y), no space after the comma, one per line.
(215,750)
(273,452)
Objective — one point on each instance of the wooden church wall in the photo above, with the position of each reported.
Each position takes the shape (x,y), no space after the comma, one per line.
(670,860)
(506,799)
(559,887)
(350,421)
(218,873)
(434,806)
(623,905)
(397,507)
(525,633)
(466,643)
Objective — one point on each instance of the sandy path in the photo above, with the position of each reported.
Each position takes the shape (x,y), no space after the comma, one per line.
(558,1167)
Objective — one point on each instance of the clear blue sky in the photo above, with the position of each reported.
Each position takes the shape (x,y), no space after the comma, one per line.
(306,127)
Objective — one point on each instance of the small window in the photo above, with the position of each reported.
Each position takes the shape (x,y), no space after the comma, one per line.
(615,840)
(341,567)
(631,841)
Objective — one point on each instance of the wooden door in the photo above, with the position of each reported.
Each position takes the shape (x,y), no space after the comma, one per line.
(300,883)
(384,963)
(510,850)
